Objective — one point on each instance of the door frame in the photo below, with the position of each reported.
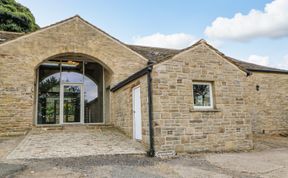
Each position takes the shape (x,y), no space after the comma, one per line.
(62,103)
(133,112)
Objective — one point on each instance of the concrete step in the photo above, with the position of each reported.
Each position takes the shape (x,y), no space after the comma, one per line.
(71,127)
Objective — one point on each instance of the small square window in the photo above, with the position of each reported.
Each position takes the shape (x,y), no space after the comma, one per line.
(202,94)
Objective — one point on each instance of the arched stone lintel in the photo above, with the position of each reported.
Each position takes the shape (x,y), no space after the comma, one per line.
(71,54)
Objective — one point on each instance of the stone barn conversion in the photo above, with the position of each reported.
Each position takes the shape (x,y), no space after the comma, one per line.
(190,100)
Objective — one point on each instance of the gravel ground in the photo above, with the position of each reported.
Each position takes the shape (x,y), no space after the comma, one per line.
(122,166)
(200,162)
(273,149)
(92,166)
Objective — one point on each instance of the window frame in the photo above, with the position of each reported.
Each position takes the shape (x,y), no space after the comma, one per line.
(210,95)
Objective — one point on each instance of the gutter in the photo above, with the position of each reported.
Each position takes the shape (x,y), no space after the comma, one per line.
(130,79)
(269,71)
(146,71)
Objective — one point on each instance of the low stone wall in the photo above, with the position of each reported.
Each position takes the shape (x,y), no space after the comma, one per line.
(269,104)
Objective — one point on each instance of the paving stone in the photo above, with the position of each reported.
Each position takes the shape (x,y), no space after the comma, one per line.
(51,144)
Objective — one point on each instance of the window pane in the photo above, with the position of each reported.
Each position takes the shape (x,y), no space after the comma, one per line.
(49,93)
(72,104)
(201,94)
(93,93)
(72,72)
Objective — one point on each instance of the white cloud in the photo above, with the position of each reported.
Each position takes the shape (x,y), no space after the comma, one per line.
(284,63)
(176,40)
(266,61)
(256,59)
(271,23)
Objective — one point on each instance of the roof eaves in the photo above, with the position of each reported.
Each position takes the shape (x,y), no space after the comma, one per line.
(269,71)
(16,33)
(8,36)
(130,79)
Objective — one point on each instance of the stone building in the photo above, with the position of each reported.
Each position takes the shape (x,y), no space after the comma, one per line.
(189,100)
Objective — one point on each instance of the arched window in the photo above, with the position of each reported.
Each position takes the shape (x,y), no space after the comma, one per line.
(70,92)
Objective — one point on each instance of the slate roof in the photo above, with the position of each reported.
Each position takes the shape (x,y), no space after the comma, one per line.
(158,55)
(257,68)
(7,36)
(154,54)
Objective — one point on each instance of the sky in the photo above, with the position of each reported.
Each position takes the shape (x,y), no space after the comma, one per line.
(251,30)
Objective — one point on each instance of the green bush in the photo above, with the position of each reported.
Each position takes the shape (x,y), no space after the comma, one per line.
(15,17)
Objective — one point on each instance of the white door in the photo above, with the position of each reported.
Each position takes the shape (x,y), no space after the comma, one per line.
(137,122)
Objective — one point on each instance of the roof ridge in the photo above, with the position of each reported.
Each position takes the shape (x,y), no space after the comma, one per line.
(184,49)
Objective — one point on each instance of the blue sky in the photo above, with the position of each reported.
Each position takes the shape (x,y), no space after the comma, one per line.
(258,36)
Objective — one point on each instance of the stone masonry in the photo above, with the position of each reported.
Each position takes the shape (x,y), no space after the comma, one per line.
(180,127)
(268,104)
(20,58)
(123,109)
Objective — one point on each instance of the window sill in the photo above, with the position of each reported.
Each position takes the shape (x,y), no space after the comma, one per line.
(204,110)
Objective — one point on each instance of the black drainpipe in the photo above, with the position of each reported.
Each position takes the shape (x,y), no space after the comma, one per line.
(151,151)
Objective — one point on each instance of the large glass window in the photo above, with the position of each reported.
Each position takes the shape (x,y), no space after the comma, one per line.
(202,94)
(75,81)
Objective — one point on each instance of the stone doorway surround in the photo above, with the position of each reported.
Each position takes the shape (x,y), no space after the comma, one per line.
(75,141)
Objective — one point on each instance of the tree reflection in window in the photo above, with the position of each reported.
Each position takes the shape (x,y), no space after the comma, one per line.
(72,103)
(202,95)
(48,100)
(54,73)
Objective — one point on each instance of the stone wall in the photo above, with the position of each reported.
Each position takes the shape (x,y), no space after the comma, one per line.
(269,105)
(181,128)
(122,107)
(20,58)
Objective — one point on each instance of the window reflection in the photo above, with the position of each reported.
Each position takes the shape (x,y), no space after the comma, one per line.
(72,104)
(49,94)
(93,93)
(71,77)
(202,93)
(53,74)
(72,72)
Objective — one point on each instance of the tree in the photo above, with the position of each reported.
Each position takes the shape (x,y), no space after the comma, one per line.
(15,17)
